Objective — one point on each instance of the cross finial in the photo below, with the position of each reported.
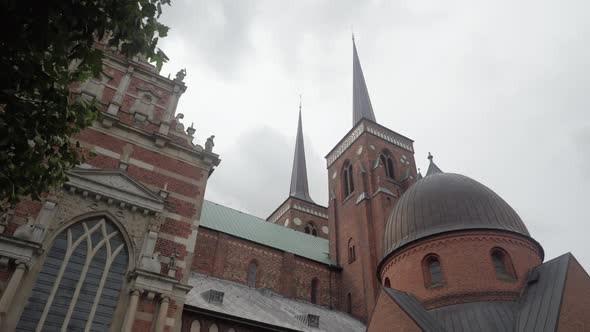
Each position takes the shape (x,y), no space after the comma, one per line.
(300,102)
(430,157)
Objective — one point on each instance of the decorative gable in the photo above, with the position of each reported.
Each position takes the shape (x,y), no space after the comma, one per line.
(116,186)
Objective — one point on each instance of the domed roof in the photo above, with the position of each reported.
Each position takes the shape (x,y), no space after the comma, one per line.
(442,202)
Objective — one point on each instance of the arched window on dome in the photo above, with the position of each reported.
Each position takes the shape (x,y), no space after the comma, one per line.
(195,326)
(311,229)
(314,290)
(387,283)
(351,251)
(252,274)
(349,303)
(213,328)
(432,271)
(387,163)
(347,179)
(502,264)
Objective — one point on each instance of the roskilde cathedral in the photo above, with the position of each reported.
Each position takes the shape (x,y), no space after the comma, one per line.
(130,244)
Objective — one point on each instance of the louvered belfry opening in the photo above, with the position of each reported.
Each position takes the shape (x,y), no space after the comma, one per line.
(80,281)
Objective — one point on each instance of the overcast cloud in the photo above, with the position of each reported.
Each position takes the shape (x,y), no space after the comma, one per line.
(496,90)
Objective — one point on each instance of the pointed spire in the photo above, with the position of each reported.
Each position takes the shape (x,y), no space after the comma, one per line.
(361,103)
(299,186)
(419,174)
(432,168)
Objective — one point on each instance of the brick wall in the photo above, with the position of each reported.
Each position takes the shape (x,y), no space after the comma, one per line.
(364,221)
(289,216)
(388,316)
(575,303)
(224,256)
(467,268)
(205,322)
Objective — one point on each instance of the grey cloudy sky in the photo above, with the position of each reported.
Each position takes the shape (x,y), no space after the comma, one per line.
(496,90)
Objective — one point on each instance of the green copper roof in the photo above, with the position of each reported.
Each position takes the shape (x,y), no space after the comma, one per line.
(239,224)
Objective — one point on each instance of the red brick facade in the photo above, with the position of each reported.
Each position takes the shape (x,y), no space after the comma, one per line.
(226,257)
(360,220)
(302,216)
(575,302)
(207,323)
(368,172)
(388,316)
(145,107)
(467,269)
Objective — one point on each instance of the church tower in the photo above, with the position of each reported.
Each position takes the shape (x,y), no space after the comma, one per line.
(368,170)
(299,211)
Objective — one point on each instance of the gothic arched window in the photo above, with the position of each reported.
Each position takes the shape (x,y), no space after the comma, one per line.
(347,179)
(502,264)
(314,290)
(79,283)
(433,276)
(351,251)
(213,328)
(349,303)
(195,326)
(387,163)
(310,229)
(387,283)
(252,274)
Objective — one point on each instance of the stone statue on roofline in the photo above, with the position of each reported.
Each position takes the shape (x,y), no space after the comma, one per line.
(180,75)
(209,144)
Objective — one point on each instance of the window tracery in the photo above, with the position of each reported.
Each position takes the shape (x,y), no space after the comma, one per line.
(80,280)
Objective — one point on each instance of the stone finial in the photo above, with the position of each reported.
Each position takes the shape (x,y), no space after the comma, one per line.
(180,75)
(209,144)
(191,130)
(25,231)
(179,125)
(152,263)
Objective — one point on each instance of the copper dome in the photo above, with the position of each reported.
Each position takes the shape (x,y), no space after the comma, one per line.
(445,202)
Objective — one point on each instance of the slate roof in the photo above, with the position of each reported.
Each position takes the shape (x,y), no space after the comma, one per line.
(239,224)
(264,306)
(299,187)
(361,103)
(476,316)
(540,305)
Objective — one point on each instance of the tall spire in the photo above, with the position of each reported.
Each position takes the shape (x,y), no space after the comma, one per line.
(299,186)
(361,103)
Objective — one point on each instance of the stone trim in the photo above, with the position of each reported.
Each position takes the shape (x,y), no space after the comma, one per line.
(444,240)
(310,211)
(371,128)
(159,284)
(136,197)
(18,249)
(466,297)
(281,213)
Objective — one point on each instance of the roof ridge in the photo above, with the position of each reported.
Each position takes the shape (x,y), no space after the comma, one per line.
(267,222)
(231,208)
